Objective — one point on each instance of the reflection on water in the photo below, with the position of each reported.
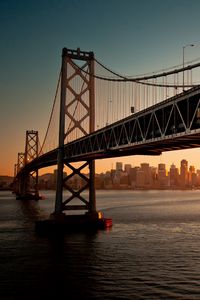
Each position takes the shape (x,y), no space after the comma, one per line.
(152,251)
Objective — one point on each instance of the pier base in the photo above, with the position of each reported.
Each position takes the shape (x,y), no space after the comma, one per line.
(70,223)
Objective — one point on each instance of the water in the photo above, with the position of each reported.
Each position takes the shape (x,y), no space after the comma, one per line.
(151,252)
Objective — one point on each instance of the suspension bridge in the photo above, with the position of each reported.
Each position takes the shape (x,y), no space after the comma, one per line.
(98,113)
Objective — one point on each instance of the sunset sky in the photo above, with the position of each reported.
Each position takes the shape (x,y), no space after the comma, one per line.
(131,37)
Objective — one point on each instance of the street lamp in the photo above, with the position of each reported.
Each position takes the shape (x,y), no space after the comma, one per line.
(188,45)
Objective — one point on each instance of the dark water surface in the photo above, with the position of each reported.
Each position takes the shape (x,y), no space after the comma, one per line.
(151,252)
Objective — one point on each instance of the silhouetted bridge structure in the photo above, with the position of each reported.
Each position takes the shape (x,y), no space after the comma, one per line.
(172,123)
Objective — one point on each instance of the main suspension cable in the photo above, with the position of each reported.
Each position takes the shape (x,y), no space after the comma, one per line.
(54,102)
(138,79)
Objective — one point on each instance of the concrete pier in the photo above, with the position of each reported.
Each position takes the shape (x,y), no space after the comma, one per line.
(72,223)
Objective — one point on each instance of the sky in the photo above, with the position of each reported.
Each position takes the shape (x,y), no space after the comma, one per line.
(131,37)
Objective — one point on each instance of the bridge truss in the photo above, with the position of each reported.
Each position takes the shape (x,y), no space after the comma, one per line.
(170,125)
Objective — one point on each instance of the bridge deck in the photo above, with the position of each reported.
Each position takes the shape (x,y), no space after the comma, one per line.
(170,125)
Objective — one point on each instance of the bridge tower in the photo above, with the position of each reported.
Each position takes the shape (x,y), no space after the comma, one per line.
(27,182)
(72,96)
(31,152)
(20,161)
(17,184)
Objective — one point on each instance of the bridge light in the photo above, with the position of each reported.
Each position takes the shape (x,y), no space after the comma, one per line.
(100,215)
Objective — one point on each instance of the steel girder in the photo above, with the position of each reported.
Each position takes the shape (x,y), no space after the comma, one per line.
(171,125)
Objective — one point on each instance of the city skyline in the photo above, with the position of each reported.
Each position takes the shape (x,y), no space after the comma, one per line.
(113,166)
(126,176)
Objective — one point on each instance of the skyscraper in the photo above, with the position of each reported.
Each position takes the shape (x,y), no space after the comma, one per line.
(162,179)
(173,176)
(119,166)
(147,173)
(184,172)
(127,168)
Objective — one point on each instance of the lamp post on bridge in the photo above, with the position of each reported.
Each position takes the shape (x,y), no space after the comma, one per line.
(188,45)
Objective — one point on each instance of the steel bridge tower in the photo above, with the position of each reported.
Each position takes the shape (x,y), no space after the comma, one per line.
(17,184)
(71,97)
(26,185)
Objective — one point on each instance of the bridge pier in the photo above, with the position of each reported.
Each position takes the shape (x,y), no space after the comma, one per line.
(85,194)
(28,187)
(91,220)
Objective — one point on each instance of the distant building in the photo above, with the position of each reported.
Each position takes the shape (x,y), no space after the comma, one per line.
(162,178)
(184,173)
(198,177)
(153,173)
(147,174)
(108,180)
(173,176)
(140,179)
(127,168)
(5,182)
(119,166)
(133,176)
(154,177)
(192,177)
(46,181)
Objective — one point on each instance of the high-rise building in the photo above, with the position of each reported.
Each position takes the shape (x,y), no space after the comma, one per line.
(192,169)
(184,172)
(192,178)
(127,168)
(133,176)
(173,176)
(140,178)
(198,177)
(119,166)
(154,176)
(147,174)
(161,170)
(162,178)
